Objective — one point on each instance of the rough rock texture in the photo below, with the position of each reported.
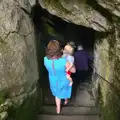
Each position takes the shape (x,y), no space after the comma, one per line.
(3,115)
(107,65)
(18,67)
(18,60)
(18,63)
(78,12)
(26,4)
(112,5)
(4,109)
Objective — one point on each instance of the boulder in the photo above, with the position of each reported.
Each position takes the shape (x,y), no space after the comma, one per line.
(18,60)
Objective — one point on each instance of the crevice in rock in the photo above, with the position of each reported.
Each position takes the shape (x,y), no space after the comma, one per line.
(24,10)
(7,35)
(100,9)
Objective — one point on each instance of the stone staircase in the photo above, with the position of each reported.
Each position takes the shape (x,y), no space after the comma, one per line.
(81,107)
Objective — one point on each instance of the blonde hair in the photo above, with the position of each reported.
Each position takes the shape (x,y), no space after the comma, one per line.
(68,49)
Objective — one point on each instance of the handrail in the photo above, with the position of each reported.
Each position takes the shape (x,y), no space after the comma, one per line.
(102,78)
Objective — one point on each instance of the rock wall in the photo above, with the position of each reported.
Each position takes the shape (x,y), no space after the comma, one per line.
(107,65)
(112,5)
(18,61)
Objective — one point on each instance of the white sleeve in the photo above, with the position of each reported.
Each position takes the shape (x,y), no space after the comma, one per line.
(70,59)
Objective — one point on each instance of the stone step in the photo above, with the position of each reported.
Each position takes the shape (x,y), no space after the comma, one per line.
(85,86)
(68,117)
(82,98)
(70,110)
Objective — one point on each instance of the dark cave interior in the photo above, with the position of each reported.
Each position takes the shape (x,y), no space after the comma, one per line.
(69,31)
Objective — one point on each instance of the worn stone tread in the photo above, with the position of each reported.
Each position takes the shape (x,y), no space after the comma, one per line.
(82,98)
(70,110)
(68,117)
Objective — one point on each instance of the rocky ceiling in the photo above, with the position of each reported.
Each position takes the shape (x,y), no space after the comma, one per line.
(78,12)
(112,6)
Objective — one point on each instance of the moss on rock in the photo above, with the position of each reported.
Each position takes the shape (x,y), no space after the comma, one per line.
(27,111)
(3,96)
(50,30)
(110,111)
(57,4)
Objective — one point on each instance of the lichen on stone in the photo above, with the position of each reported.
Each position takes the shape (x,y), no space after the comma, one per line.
(26,111)
(50,30)
(3,96)
(57,4)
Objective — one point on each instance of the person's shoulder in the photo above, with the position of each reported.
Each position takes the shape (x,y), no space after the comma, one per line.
(45,58)
(75,53)
(70,56)
(85,52)
(63,58)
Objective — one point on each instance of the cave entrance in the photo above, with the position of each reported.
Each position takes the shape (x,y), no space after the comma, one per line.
(50,27)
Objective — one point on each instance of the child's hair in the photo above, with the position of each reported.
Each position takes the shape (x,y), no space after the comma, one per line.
(68,49)
(72,44)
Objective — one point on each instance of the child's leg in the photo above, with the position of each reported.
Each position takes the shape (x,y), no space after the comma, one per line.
(67,66)
(70,79)
(73,70)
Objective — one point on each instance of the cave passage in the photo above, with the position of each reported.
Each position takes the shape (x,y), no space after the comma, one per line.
(63,30)
(50,27)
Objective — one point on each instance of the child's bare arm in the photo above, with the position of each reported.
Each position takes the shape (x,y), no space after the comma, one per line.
(68,66)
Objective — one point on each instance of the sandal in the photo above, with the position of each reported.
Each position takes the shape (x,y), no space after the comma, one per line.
(66,102)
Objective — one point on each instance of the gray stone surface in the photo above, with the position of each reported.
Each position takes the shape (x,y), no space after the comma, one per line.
(83,98)
(78,12)
(72,110)
(3,115)
(112,5)
(18,61)
(107,65)
(56,117)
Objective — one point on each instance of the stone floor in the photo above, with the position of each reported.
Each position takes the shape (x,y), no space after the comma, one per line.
(82,106)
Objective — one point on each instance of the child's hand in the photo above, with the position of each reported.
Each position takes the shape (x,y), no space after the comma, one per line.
(67,70)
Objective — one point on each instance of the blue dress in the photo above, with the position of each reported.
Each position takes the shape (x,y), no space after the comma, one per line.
(59,84)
